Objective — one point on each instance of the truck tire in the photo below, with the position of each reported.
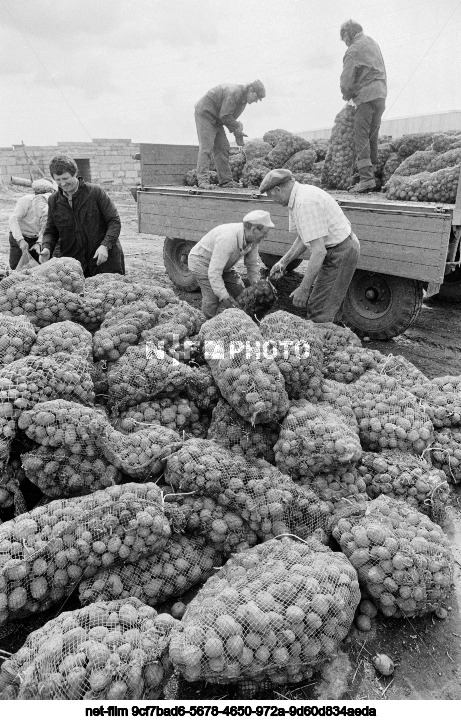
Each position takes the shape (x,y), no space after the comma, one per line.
(269,260)
(381,306)
(451,289)
(175,252)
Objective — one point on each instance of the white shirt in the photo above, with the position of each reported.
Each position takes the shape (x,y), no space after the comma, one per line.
(313,213)
(222,248)
(28,218)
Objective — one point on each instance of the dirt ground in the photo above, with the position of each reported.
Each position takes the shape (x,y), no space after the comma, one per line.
(427,652)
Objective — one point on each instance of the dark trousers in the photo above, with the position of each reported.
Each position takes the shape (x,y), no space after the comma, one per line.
(16,252)
(367,124)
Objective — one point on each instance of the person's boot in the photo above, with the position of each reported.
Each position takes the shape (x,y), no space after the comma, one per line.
(230,184)
(367,178)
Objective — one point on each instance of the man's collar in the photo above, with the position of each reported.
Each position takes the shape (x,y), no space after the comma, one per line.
(357,37)
(291,202)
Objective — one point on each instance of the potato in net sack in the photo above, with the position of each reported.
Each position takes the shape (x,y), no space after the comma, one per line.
(11,475)
(445,160)
(44,553)
(448,384)
(302,161)
(101,298)
(202,389)
(17,336)
(403,559)
(308,178)
(286,148)
(410,143)
(315,438)
(256,148)
(106,651)
(339,488)
(63,423)
(340,159)
(185,314)
(146,310)
(336,395)
(384,152)
(407,478)
(335,338)
(237,163)
(440,186)
(112,342)
(183,563)
(320,145)
(64,337)
(257,299)
(269,501)
(142,454)
(250,382)
(297,352)
(231,431)
(391,165)
(179,414)
(388,415)
(274,612)
(345,366)
(41,303)
(65,272)
(419,162)
(445,453)
(273,136)
(253,173)
(441,142)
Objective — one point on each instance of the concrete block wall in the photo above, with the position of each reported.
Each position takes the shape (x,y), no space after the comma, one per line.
(111,161)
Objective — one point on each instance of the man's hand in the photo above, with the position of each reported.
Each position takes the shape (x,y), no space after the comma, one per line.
(229,302)
(44,255)
(101,255)
(277,270)
(37,247)
(23,244)
(239,139)
(300,297)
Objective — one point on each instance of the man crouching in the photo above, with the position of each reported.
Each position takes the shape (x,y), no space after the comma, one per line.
(212,260)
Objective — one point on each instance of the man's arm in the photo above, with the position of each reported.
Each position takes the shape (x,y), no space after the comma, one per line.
(347,80)
(251,263)
(111,217)
(318,253)
(40,207)
(19,211)
(51,234)
(231,102)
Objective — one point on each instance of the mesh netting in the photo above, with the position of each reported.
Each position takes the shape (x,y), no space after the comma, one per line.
(411,142)
(183,563)
(407,478)
(388,415)
(247,376)
(276,611)
(106,651)
(448,384)
(390,166)
(202,389)
(335,338)
(146,310)
(123,326)
(445,160)
(417,163)
(309,178)
(17,336)
(64,337)
(398,367)
(339,488)
(44,553)
(184,314)
(315,438)
(336,394)
(231,431)
(269,501)
(441,142)
(340,159)
(256,148)
(345,366)
(11,475)
(273,136)
(286,147)
(58,422)
(257,299)
(403,559)
(302,161)
(297,353)
(66,273)
(254,172)
(440,186)
(141,454)
(180,414)
(42,303)
(445,452)
(384,152)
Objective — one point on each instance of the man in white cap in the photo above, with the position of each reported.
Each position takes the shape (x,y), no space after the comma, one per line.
(212,260)
(320,225)
(28,220)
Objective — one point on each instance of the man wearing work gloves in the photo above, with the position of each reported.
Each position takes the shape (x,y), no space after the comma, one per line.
(321,226)
(27,222)
(221,106)
(212,259)
(85,221)
(363,80)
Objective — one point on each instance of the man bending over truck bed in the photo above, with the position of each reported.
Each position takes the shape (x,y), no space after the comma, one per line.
(212,259)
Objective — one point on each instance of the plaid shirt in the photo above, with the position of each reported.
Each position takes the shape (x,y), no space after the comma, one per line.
(222,248)
(316,214)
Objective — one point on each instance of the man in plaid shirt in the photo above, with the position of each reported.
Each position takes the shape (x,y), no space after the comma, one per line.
(323,228)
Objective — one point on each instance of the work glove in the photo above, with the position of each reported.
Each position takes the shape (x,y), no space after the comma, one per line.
(23,244)
(44,255)
(101,255)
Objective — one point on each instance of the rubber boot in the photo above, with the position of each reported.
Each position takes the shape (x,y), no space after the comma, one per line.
(367,178)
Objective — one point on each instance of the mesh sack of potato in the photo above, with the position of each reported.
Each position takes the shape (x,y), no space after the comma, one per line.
(63,423)
(248,379)
(336,394)
(339,488)
(266,499)
(166,337)
(340,159)
(145,310)
(334,338)
(345,366)
(143,288)
(98,300)
(308,179)
(142,454)
(441,142)
(110,343)
(106,651)
(390,166)
(315,438)
(440,186)
(407,478)
(237,162)
(231,431)
(388,415)
(257,299)
(320,145)
(403,370)
(41,303)
(384,152)
(17,336)
(273,136)
(62,272)
(183,563)
(409,144)
(297,352)
(253,173)
(11,475)
(417,163)
(202,389)
(302,161)
(180,414)
(445,160)
(403,559)
(44,553)
(64,337)
(256,148)
(185,314)
(448,384)
(317,169)
(274,612)
(445,453)
(286,147)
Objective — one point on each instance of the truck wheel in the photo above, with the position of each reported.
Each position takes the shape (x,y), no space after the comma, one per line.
(381,306)
(451,288)
(269,260)
(175,252)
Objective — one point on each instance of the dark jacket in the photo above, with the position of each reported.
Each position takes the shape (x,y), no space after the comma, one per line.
(364,75)
(92,221)
(223,104)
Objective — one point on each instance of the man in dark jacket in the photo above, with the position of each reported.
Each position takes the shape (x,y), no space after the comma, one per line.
(84,220)
(364,81)
(221,106)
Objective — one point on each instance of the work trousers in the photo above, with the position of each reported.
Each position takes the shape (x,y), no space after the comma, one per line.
(367,123)
(327,296)
(210,302)
(16,252)
(213,143)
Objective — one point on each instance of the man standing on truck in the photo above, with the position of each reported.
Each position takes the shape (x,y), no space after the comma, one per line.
(321,225)
(212,260)
(219,107)
(363,80)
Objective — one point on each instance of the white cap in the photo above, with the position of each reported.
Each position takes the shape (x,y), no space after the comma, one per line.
(43,186)
(259,217)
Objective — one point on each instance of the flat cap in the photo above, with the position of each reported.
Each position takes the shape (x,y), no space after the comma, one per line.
(259,88)
(275,177)
(259,217)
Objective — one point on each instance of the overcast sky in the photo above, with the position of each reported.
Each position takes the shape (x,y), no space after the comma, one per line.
(72,70)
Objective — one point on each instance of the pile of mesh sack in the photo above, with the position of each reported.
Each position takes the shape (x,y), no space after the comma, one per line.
(256,148)
(274,136)
(340,159)
(384,152)
(253,172)
(276,612)
(237,163)
(390,166)
(123,327)
(340,487)
(445,453)
(347,365)
(440,186)
(302,161)
(17,337)
(419,162)
(180,414)
(65,272)
(107,651)
(45,552)
(441,142)
(229,430)
(403,559)
(64,337)
(335,338)
(445,160)
(286,147)
(308,178)
(41,302)
(410,143)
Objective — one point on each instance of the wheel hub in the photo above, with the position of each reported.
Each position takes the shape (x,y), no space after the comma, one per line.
(370,295)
